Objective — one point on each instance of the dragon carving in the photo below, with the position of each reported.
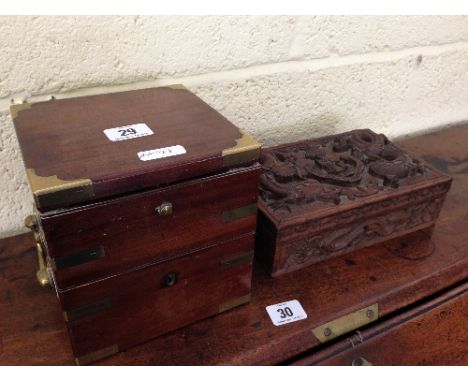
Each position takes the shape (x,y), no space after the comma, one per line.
(332,170)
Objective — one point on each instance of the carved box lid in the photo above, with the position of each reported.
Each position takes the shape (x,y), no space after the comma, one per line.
(86,148)
(310,179)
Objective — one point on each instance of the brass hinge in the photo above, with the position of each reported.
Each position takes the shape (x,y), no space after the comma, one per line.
(347,323)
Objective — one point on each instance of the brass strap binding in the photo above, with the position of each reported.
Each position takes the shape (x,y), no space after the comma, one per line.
(234,303)
(246,149)
(346,323)
(42,274)
(51,191)
(241,212)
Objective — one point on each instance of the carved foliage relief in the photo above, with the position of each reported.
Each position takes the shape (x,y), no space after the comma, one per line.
(333,170)
(360,234)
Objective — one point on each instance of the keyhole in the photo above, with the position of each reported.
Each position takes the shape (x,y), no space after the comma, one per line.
(170,279)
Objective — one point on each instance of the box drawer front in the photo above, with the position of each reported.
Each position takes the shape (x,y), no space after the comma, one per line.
(431,334)
(113,314)
(92,242)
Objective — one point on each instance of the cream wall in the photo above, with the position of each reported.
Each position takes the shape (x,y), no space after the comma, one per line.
(281,78)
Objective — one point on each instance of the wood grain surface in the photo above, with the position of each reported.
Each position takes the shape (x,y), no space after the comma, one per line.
(130,225)
(328,196)
(394,275)
(65,138)
(434,333)
(138,305)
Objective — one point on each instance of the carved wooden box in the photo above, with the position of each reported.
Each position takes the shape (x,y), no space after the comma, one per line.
(328,196)
(145,212)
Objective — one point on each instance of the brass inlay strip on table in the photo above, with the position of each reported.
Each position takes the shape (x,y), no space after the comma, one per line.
(347,323)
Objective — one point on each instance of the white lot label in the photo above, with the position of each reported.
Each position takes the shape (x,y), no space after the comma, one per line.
(286,312)
(161,153)
(128,132)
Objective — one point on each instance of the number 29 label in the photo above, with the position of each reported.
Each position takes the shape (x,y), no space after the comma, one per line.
(128,132)
(286,312)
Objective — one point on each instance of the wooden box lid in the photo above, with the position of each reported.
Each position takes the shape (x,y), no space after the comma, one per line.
(81,149)
(308,180)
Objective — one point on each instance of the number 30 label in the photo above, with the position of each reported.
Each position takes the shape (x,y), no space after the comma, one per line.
(286,312)
(128,132)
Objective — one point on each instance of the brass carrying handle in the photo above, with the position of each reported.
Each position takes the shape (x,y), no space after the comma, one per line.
(42,274)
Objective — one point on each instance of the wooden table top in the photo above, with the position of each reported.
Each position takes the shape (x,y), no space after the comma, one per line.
(394,275)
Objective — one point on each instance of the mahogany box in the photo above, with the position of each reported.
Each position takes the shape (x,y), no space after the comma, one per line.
(145,212)
(328,196)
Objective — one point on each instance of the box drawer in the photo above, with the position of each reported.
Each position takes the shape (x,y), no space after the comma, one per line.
(433,333)
(98,240)
(110,315)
